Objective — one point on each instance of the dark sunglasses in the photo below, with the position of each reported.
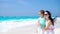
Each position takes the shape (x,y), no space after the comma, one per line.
(45,14)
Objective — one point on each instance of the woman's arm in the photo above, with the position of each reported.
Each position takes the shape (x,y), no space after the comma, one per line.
(48,25)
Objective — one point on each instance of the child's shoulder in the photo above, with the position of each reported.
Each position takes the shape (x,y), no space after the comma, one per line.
(39,18)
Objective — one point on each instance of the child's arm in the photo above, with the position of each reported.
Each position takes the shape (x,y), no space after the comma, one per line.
(38,24)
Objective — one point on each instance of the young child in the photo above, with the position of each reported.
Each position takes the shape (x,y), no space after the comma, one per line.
(41,23)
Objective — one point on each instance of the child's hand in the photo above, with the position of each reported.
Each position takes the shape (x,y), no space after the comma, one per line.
(36,31)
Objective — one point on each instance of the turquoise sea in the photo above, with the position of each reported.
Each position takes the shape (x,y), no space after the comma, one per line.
(2,18)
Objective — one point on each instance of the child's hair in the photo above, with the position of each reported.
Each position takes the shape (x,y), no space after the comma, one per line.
(42,11)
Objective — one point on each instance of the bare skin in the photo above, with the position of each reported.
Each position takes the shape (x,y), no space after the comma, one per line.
(48,25)
(37,26)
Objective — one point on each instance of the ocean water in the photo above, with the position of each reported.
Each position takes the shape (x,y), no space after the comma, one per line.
(2,18)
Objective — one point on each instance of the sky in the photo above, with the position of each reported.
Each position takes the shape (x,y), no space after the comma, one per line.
(28,7)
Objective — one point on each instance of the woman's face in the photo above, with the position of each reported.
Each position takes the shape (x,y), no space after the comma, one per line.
(46,15)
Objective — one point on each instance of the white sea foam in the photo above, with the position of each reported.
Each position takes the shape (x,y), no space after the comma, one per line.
(7,25)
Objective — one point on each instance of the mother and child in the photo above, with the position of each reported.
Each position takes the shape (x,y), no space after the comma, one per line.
(45,23)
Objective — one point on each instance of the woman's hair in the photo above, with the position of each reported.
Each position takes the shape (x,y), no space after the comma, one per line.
(52,20)
(55,18)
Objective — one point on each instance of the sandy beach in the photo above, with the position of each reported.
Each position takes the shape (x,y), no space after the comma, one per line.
(22,30)
(30,29)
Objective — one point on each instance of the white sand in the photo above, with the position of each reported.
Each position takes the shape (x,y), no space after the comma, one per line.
(28,28)
(22,30)
(57,30)
(31,29)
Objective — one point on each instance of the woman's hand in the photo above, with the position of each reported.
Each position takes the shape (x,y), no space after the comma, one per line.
(48,25)
(46,28)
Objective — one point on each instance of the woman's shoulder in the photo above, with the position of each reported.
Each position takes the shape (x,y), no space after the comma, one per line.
(49,21)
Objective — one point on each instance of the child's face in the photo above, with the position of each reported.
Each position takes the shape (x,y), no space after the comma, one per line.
(41,14)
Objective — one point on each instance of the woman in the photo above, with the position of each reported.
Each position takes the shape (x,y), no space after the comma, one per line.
(49,29)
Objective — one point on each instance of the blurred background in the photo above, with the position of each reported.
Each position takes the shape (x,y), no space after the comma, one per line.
(28,7)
